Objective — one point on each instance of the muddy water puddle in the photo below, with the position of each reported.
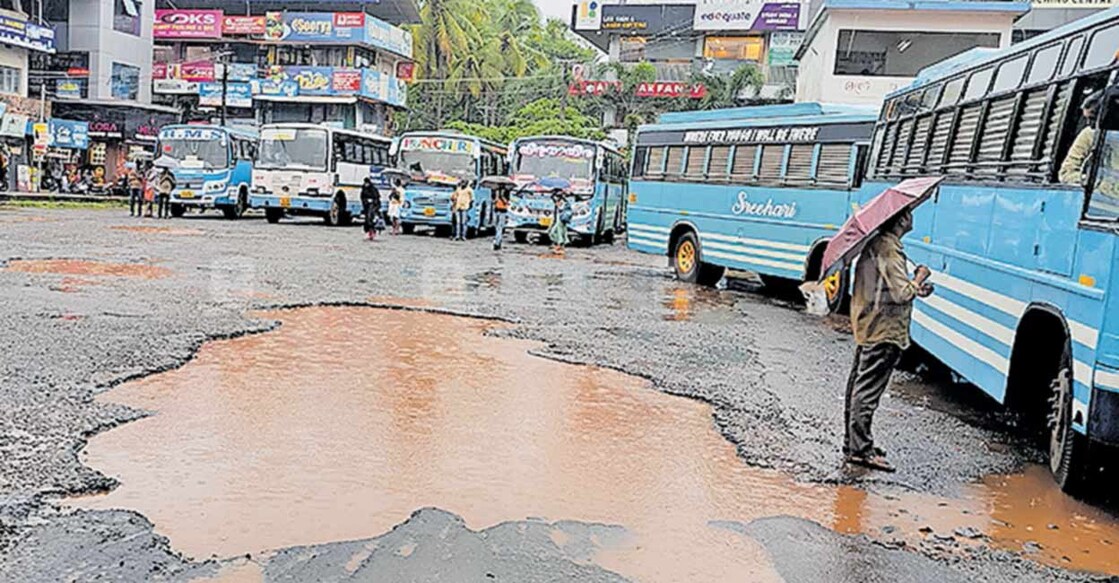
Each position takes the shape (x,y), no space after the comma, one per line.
(343,421)
(85,268)
(147,230)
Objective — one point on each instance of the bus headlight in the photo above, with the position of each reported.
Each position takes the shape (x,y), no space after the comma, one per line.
(581,210)
(212,187)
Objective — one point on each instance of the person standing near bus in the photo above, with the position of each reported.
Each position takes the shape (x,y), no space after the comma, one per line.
(561,218)
(1072,169)
(164,187)
(135,191)
(396,201)
(500,215)
(370,207)
(881,310)
(461,201)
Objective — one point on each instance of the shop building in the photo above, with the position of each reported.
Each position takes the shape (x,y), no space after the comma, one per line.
(683,39)
(1046,15)
(20,38)
(857,51)
(346,69)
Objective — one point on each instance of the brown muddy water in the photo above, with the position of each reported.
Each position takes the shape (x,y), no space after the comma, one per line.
(84,268)
(343,421)
(149,230)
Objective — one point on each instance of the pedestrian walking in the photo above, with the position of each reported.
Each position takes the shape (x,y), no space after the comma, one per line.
(500,215)
(371,208)
(396,201)
(462,199)
(164,187)
(561,218)
(135,192)
(881,309)
(150,181)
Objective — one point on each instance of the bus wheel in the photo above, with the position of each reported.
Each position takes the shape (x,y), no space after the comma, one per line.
(273,216)
(689,267)
(1068,450)
(520,237)
(407,228)
(178,210)
(337,210)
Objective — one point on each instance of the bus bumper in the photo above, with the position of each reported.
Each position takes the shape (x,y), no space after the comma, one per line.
(290,203)
(1103,414)
(431,219)
(202,201)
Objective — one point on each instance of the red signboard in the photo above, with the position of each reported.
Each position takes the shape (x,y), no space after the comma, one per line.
(197,71)
(346,80)
(593,87)
(187,24)
(349,19)
(243,25)
(406,71)
(159,70)
(671,89)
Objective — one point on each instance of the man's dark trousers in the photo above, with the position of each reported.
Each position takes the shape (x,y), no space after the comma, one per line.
(869,376)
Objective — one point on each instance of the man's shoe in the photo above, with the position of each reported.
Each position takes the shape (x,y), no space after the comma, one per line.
(874,462)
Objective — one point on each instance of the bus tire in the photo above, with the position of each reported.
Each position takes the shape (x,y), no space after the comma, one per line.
(520,237)
(1068,450)
(407,228)
(273,216)
(689,265)
(178,210)
(335,216)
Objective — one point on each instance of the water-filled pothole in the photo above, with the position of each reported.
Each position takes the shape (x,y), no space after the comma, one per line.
(343,421)
(81,267)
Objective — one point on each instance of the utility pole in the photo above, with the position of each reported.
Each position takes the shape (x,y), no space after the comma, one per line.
(565,64)
(224,84)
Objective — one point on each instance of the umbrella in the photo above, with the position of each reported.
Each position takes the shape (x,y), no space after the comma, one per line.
(866,222)
(166,162)
(495,182)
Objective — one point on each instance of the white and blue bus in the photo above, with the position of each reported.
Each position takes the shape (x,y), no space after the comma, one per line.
(436,162)
(595,171)
(761,189)
(215,167)
(314,170)
(1027,302)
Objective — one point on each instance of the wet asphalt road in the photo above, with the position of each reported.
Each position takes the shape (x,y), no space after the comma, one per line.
(773,375)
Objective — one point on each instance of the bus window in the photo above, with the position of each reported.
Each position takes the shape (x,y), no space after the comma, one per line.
(800,164)
(697,162)
(1072,56)
(952,91)
(1101,51)
(773,156)
(977,85)
(1104,201)
(745,158)
(720,159)
(1045,64)
(928,101)
(640,155)
(834,164)
(655,167)
(1010,74)
(675,161)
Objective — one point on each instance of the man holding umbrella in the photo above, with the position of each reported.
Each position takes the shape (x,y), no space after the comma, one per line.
(881,309)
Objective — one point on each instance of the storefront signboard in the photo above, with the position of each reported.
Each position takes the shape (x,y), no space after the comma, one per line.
(13,125)
(748,15)
(187,24)
(242,25)
(337,27)
(68,134)
(68,88)
(16,30)
(238,94)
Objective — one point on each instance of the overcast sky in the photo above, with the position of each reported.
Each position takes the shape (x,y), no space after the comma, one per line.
(560,9)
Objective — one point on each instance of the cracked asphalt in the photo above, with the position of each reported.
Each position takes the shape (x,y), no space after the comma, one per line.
(773,375)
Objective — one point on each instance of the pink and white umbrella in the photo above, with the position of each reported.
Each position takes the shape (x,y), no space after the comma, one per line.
(865,224)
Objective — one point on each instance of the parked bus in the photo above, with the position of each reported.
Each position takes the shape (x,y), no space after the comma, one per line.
(437,161)
(1027,302)
(761,189)
(315,170)
(215,167)
(595,171)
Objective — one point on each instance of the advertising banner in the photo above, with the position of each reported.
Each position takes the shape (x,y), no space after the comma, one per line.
(237,71)
(14,124)
(337,27)
(236,95)
(16,30)
(671,89)
(174,87)
(406,71)
(588,15)
(273,87)
(388,37)
(747,15)
(68,134)
(242,25)
(346,81)
(68,88)
(311,80)
(197,71)
(187,24)
(647,19)
(783,47)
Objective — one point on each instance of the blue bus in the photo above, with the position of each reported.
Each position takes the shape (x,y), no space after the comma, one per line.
(312,170)
(1027,304)
(437,161)
(215,167)
(761,189)
(596,172)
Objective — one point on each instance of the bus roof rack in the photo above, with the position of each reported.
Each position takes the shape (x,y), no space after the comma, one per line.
(765,111)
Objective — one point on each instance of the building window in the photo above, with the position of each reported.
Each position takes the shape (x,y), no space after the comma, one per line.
(632,49)
(880,53)
(734,48)
(9,80)
(126,82)
(127,16)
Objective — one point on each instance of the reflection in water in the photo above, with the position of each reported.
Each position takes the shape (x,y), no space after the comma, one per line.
(689,302)
(159,230)
(345,420)
(79,267)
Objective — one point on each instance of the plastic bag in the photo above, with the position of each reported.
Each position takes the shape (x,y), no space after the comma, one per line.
(815,298)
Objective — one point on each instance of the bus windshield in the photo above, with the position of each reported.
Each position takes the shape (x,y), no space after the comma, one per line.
(426,164)
(207,149)
(293,149)
(555,159)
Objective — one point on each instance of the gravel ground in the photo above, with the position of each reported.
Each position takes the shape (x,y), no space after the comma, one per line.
(774,375)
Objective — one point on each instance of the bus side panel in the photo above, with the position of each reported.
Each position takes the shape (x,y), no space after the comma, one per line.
(242,176)
(648,229)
